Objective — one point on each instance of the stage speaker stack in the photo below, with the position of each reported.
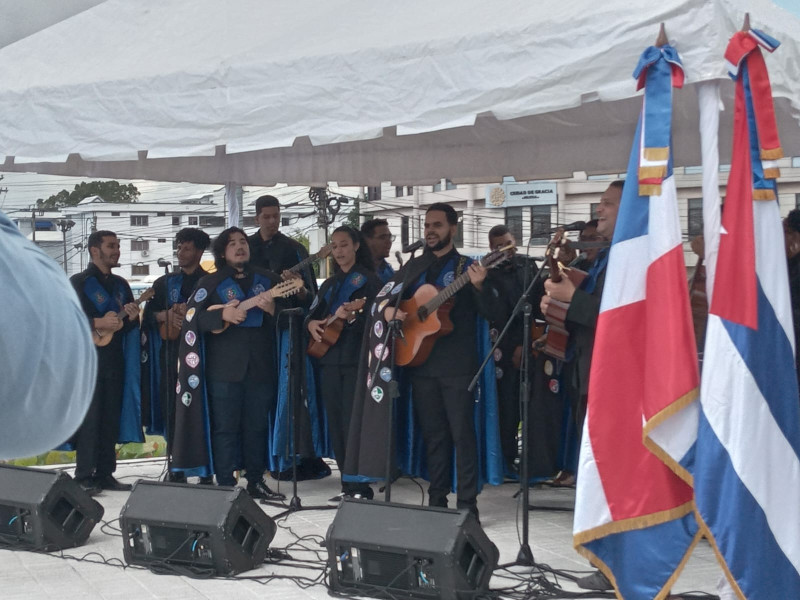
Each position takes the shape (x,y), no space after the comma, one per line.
(215,528)
(391,550)
(44,510)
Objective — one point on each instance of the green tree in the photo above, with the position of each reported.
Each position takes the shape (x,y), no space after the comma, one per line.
(352,217)
(303,239)
(109,191)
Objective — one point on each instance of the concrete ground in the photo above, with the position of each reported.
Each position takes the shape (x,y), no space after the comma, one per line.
(101,576)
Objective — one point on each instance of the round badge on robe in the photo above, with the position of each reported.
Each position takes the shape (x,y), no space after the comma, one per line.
(145,356)
(493,333)
(385,290)
(186,398)
(200,295)
(189,315)
(144,338)
(498,373)
(396,289)
(178,388)
(192,359)
(194,381)
(386,374)
(377,393)
(378,329)
(381,352)
(383,304)
(553,385)
(369,381)
(548,367)
(498,354)
(190,337)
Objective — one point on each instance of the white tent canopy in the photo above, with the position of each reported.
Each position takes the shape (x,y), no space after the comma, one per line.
(364,91)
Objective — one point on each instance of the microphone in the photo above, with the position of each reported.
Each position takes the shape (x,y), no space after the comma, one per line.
(575,226)
(399,257)
(413,247)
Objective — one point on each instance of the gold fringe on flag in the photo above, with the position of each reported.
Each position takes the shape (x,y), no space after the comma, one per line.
(763,194)
(650,190)
(772,173)
(656,153)
(771,153)
(657,172)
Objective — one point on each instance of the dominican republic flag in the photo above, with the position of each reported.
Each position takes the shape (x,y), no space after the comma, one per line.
(747,471)
(634,511)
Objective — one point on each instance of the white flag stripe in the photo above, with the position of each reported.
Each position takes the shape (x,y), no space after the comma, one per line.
(771,263)
(761,456)
(626,274)
(664,226)
(591,505)
(678,434)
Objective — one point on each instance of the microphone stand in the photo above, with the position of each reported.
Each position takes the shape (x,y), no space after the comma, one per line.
(525,555)
(295,504)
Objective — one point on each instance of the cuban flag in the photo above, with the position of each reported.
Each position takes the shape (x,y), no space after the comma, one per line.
(747,472)
(634,512)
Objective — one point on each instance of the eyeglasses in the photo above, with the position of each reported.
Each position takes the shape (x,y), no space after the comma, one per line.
(386,236)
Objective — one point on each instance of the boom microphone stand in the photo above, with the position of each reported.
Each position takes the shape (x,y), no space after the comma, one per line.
(525,555)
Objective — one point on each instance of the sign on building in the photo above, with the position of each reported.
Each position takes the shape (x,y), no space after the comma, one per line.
(535,193)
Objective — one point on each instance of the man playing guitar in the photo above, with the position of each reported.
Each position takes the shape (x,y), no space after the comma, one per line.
(443,405)
(162,320)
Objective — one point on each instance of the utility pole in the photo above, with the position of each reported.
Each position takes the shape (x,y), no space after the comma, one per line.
(65,225)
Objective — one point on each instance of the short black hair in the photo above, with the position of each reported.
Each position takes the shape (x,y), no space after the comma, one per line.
(96,238)
(368,227)
(264,201)
(498,231)
(449,211)
(221,242)
(793,220)
(617,183)
(198,237)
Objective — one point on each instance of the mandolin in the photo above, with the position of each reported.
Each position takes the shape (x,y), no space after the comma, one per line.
(102,337)
(280,290)
(428,314)
(332,329)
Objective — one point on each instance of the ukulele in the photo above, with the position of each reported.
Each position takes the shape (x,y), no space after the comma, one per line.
(170,329)
(428,314)
(280,290)
(557,336)
(332,329)
(102,337)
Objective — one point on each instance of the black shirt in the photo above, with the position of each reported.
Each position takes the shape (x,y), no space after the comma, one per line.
(278,254)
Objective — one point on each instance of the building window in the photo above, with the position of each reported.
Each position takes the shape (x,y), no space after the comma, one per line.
(437,187)
(162,240)
(140,245)
(593,210)
(398,191)
(249,222)
(115,214)
(284,221)
(540,224)
(176,221)
(404,231)
(373,193)
(140,270)
(514,222)
(695,217)
(139,221)
(458,241)
(158,214)
(212,221)
(193,221)
(449,185)
(410,190)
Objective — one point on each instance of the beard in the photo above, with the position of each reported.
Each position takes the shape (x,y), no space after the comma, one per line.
(441,244)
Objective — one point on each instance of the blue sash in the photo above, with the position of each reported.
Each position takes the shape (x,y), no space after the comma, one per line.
(341,293)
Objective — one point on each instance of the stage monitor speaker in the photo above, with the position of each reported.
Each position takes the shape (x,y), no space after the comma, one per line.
(219,528)
(386,549)
(44,510)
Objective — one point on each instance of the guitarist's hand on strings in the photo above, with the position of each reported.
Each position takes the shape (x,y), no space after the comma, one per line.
(132,310)
(477,274)
(233,314)
(390,315)
(109,322)
(315,328)
(266,303)
(561,291)
(287,275)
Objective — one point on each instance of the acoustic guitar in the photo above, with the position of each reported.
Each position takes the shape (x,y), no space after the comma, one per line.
(428,314)
(280,290)
(102,337)
(332,329)
(555,342)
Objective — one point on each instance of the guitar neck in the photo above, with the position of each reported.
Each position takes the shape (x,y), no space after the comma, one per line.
(304,263)
(434,303)
(252,302)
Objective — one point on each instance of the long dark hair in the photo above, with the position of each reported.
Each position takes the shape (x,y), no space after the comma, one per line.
(219,245)
(363,255)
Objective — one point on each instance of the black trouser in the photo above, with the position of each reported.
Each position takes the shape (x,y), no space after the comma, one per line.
(338,387)
(96,439)
(508,409)
(239,426)
(444,411)
(166,391)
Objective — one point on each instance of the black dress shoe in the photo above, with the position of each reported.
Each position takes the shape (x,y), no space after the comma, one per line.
(89,486)
(596,581)
(261,491)
(206,480)
(108,482)
(176,477)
